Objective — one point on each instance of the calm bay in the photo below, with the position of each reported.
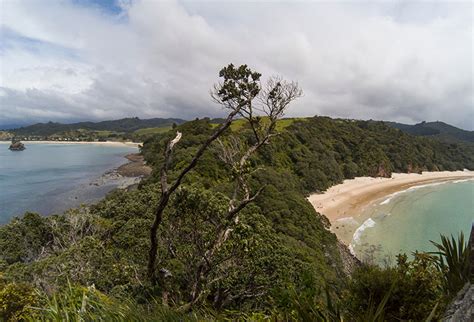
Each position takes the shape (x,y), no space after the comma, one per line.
(52,177)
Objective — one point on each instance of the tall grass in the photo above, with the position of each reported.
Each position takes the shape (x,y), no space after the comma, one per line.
(78,303)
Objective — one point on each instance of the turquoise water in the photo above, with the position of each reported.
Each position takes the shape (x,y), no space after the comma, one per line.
(50,178)
(407,221)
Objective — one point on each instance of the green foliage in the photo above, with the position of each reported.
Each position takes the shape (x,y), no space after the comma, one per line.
(280,261)
(148,132)
(415,288)
(23,239)
(240,84)
(438,130)
(248,268)
(79,248)
(323,152)
(454,262)
(78,303)
(281,124)
(16,300)
(374,312)
(126,125)
(309,302)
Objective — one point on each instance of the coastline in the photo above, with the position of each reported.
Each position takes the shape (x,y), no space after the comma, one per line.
(344,203)
(107,143)
(125,174)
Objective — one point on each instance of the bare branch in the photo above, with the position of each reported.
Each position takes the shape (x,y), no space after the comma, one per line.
(243,204)
(240,86)
(236,93)
(166,193)
(276,95)
(175,140)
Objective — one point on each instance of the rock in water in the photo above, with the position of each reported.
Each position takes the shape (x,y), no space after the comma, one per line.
(17,146)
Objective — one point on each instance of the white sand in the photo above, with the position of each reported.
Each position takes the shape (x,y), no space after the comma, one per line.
(347,200)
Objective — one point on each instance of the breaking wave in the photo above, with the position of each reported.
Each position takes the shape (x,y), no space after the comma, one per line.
(358,233)
(390,197)
(462,180)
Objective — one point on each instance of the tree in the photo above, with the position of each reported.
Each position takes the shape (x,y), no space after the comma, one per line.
(242,95)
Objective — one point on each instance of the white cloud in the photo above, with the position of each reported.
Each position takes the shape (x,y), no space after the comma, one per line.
(395,61)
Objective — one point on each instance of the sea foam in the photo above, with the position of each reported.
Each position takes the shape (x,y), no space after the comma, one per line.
(358,233)
(462,180)
(390,197)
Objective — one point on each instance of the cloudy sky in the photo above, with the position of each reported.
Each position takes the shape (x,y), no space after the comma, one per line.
(104,59)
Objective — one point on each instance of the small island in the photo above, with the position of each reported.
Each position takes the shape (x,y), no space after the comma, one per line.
(17,146)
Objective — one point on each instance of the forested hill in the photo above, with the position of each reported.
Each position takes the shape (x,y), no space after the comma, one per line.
(141,129)
(279,260)
(126,125)
(322,151)
(438,130)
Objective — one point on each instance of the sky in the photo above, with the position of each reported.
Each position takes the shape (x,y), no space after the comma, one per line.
(71,60)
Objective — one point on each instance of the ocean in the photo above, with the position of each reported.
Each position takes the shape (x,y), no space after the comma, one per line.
(50,178)
(406,221)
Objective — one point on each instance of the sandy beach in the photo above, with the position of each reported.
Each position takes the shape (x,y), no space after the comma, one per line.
(107,143)
(343,203)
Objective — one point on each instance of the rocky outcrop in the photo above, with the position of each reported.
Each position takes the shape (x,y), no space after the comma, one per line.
(17,146)
(414,169)
(128,175)
(461,308)
(135,168)
(349,261)
(471,244)
(383,172)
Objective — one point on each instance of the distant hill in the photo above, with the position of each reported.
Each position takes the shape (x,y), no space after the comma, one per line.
(139,129)
(8,126)
(126,125)
(438,130)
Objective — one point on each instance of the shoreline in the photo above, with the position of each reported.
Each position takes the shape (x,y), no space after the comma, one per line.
(125,175)
(108,143)
(344,204)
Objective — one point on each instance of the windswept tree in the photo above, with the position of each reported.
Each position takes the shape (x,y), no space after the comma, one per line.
(243,95)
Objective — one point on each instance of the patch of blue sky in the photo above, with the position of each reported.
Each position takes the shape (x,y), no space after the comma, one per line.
(106,6)
(10,39)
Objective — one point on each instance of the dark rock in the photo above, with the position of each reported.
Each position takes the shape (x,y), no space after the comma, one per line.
(17,146)
(461,308)
(349,261)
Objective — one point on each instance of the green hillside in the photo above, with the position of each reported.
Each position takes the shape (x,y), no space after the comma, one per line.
(123,127)
(438,130)
(280,261)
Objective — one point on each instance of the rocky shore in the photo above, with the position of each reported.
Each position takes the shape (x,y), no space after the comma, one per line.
(127,175)
(135,168)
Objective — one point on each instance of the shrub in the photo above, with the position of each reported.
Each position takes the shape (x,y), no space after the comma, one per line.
(16,300)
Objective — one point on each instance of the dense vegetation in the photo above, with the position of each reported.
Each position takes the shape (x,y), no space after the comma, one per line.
(123,129)
(279,261)
(438,130)
(322,152)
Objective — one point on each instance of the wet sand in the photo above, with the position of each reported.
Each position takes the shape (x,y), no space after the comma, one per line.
(342,204)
